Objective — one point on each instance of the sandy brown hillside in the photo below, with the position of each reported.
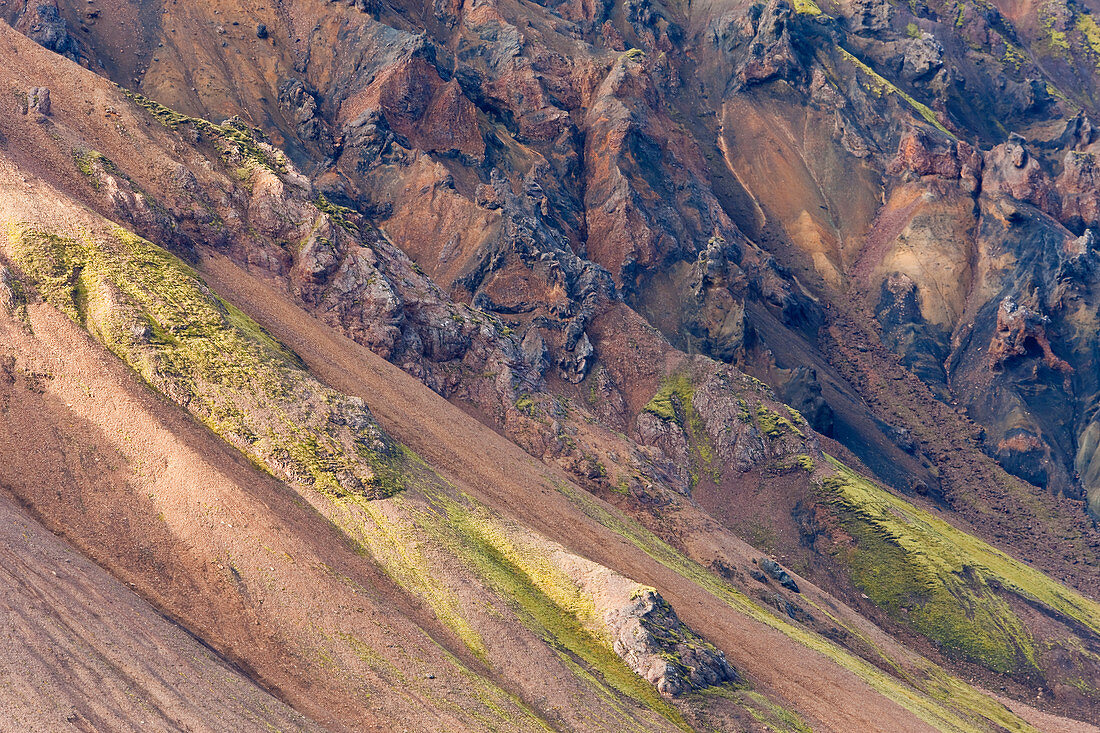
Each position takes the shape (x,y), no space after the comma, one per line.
(83,652)
(220,547)
(387,506)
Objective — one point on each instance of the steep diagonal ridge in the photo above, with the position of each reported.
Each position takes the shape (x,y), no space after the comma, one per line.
(40,206)
(224,549)
(561,385)
(133,297)
(464,631)
(856,95)
(501,475)
(569,642)
(154,314)
(450,511)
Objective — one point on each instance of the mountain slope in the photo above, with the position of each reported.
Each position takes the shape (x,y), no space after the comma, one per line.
(815,249)
(84,653)
(425,554)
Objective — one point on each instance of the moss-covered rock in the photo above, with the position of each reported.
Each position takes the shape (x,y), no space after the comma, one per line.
(155,313)
(651,638)
(674,404)
(235,142)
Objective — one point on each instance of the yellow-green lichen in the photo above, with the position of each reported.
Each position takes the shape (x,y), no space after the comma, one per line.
(340,215)
(1014,55)
(519,572)
(526,405)
(944,702)
(13,298)
(86,162)
(394,542)
(807,7)
(1049,20)
(943,582)
(234,141)
(552,605)
(956,610)
(157,315)
(774,716)
(774,425)
(1091,31)
(879,86)
(480,702)
(675,393)
(673,403)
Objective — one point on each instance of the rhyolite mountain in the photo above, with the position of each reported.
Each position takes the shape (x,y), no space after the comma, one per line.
(497,365)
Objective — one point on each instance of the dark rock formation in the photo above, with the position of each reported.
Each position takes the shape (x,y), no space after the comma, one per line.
(42,22)
(776,571)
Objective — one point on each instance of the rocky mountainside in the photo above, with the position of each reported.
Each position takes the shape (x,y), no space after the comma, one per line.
(582,366)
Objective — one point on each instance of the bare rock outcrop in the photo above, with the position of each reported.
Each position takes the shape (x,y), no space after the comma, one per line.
(655,643)
(923,57)
(1021,330)
(770,54)
(925,153)
(1079,188)
(38,101)
(301,104)
(41,21)
(645,631)
(1011,170)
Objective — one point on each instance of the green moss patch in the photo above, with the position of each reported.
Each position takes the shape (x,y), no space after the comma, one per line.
(774,716)
(673,403)
(527,405)
(807,7)
(406,537)
(673,398)
(1057,41)
(943,701)
(879,86)
(157,315)
(954,609)
(551,605)
(234,141)
(341,215)
(87,161)
(1091,33)
(944,583)
(774,425)
(395,544)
